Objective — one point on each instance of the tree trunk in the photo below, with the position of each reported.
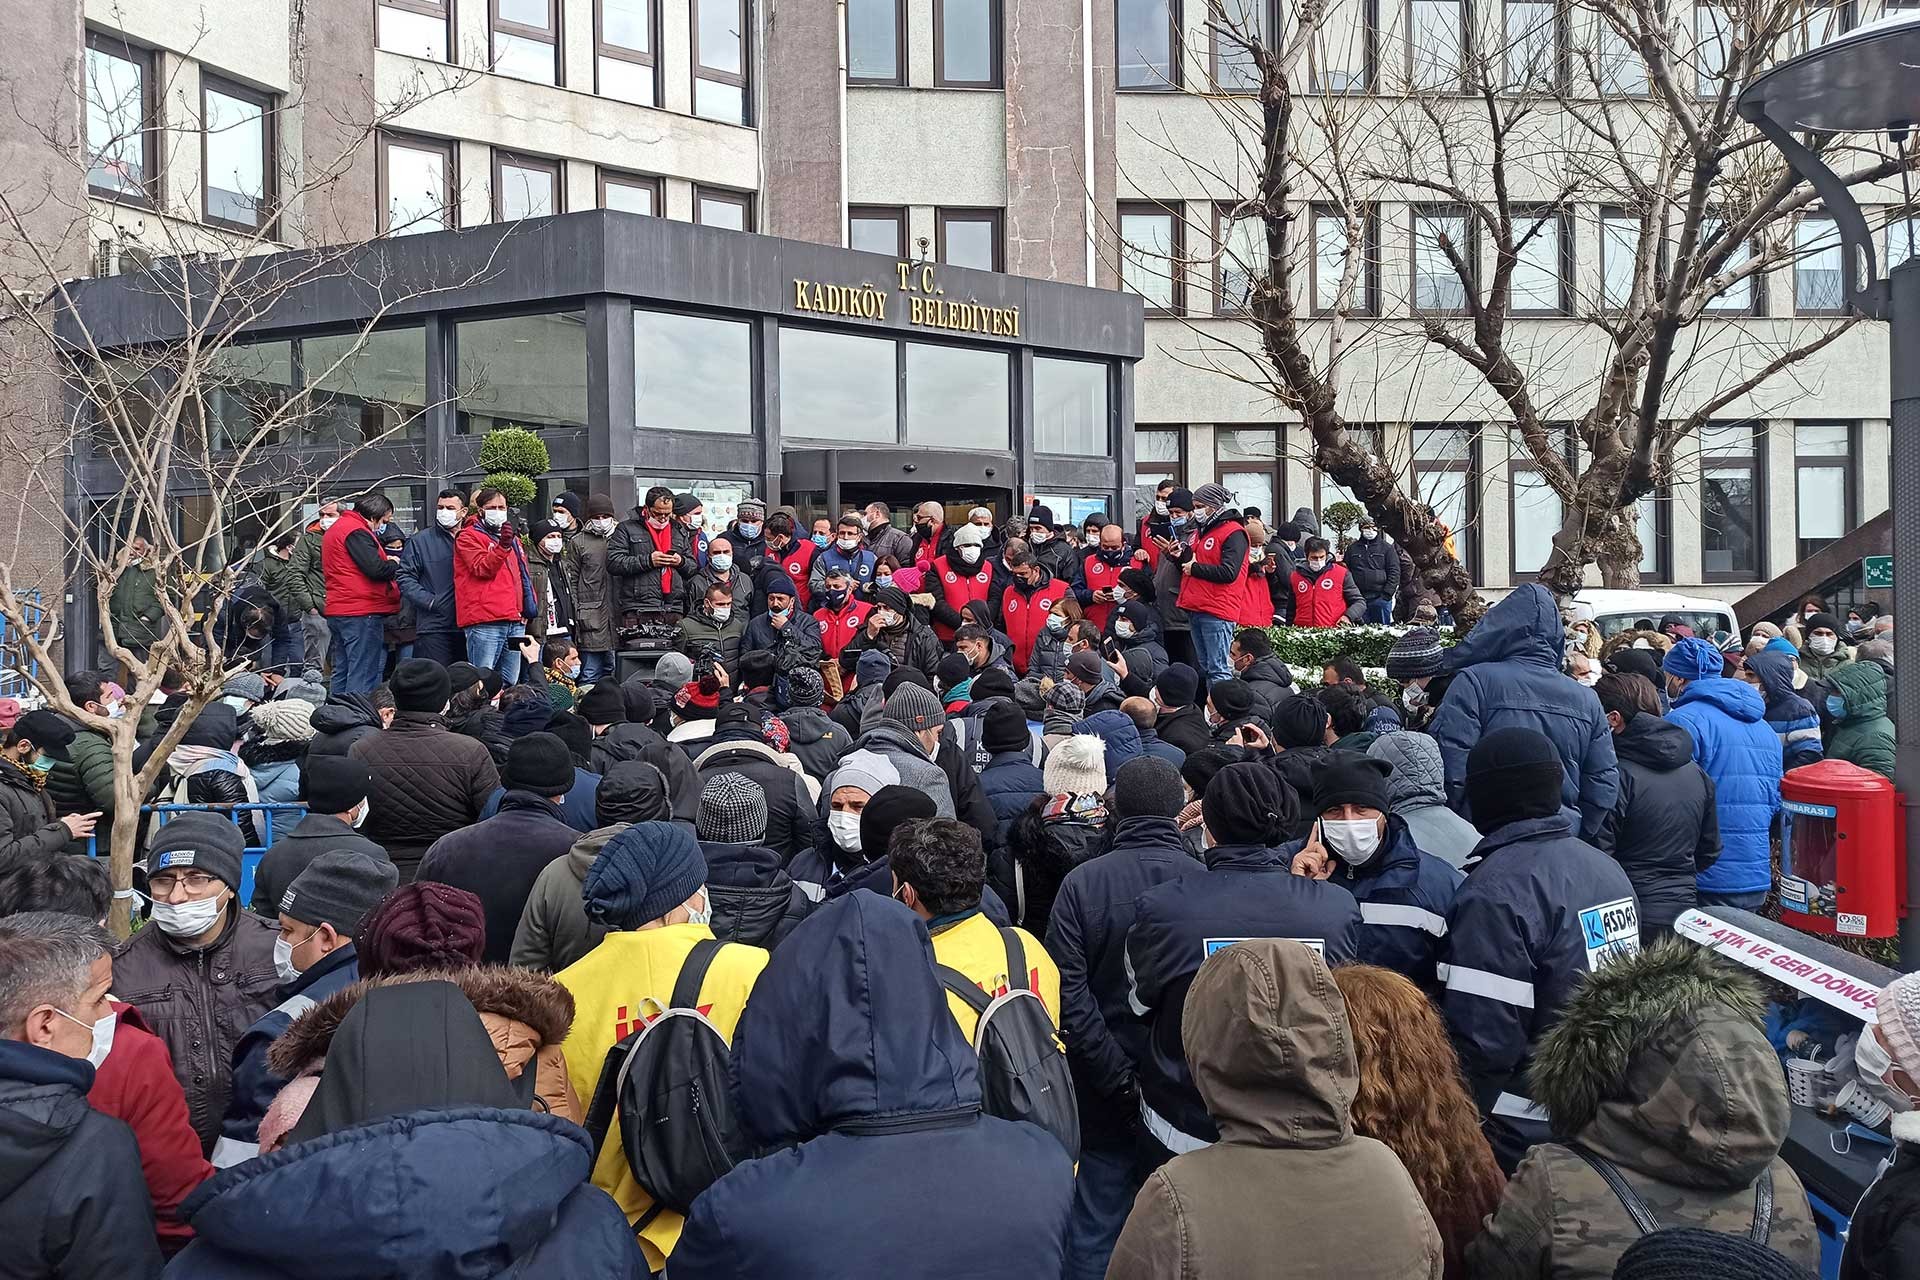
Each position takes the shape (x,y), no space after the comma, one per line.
(121,839)
(1411,524)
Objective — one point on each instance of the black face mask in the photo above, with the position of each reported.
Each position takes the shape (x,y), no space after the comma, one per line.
(1116,556)
(833,599)
(923,528)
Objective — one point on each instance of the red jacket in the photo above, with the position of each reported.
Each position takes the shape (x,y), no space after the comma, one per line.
(136,1086)
(487,581)
(958,586)
(838,629)
(1259,607)
(351,593)
(796,561)
(1215,599)
(1319,600)
(1101,576)
(1024,614)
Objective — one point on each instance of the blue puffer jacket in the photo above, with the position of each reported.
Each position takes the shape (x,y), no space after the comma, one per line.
(1404,896)
(255,1084)
(1508,675)
(452,1194)
(1790,716)
(1739,750)
(872,1098)
(1011,781)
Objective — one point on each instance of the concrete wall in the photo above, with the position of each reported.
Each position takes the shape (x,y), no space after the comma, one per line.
(802,139)
(1048,131)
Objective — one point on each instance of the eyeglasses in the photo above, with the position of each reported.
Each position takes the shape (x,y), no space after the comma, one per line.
(196,882)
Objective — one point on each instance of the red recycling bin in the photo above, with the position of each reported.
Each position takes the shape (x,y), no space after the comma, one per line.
(1842,855)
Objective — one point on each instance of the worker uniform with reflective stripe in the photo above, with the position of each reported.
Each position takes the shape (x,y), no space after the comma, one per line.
(1248,892)
(1404,895)
(1539,910)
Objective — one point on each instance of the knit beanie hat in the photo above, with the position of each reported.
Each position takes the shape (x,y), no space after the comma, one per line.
(994,682)
(1693,659)
(573,731)
(1351,778)
(905,675)
(461,675)
(9,712)
(953,670)
(1148,787)
(1899,1013)
(334,784)
(250,685)
(1200,767)
(339,887)
(872,666)
(638,699)
(1635,662)
(1690,1253)
(1086,667)
(1004,728)
(284,721)
(1247,804)
(1383,720)
(776,583)
(866,771)
(599,504)
(1512,774)
(914,707)
(539,763)
(968,535)
(421,684)
(1415,654)
(685,504)
(1213,495)
(1300,722)
(890,809)
(672,670)
(1178,685)
(491,683)
(1825,622)
(602,705)
(643,873)
(206,842)
(632,791)
(804,688)
(733,810)
(1077,766)
(300,690)
(1066,706)
(1180,499)
(423,925)
(1232,699)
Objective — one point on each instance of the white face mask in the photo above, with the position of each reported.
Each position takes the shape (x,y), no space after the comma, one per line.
(845,830)
(1355,842)
(885,617)
(283,966)
(115,710)
(602,525)
(1056,623)
(1368,535)
(326,522)
(102,1032)
(722,613)
(1123,628)
(1822,645)
(446,519)
(1874,1064)
(1037,536)
(847,544)
(971,555)
(189,919)
(562,518)
(360,818)
(1160,508)
(494,519)
(1590,679)
(1413,697)
(552,544)
(722,562)
(705,914)
(1315,566)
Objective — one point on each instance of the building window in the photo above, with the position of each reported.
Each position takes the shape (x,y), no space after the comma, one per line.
(416,185)
(957,397)
(1070,408)
(525,187)
(720,60)
(1159,456)
(364,388)
(1536,37)
(1537,509)
(692,373)
(1370,436)
(1824,20)
(1241,259)
(1713,42)
(1816,268)
(629,192)
(1237,25)
(1824,460)
(1732,524)
(1152,255)
(717,207)
(236,155)
(1619,255)
(1249,465)
(1543,264)
(1438,285)
(1333,248)
(966,44)
(876,42)
(968,238)
(1743,296)
(525,36)
(623,45)
(1445,471)
(1903,241)
(1438,43)
(521,371)
(877,229)
(843,387)
(1619,70)
(416,27)
(1343,54)
(1147,44)
(120,120)
(1653,525)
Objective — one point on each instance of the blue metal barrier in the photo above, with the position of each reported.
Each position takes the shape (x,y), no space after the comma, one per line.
(17,668)
(250,856)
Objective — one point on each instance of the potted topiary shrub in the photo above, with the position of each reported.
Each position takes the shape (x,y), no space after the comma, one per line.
(1341,517)
(511,458)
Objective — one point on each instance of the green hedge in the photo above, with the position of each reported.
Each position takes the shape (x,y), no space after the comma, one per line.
(520,490)
(1316,646)
(514,449)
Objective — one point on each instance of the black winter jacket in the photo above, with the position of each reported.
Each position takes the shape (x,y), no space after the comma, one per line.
(1044,850)
(1272,684)
(28,830)
(487,726)
(1404,895)
(313,835)
(814,738)
(1012,782)
(1664,829)
(427,781)
(72,1201)
(790,808)
(640,585)
(341,721)
(497,860)
(1883,1240)
(754,900)
(630,741)
(797,644)
(1185,727)
(1374,567)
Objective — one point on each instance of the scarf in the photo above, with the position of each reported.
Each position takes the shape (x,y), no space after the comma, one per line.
(186,761)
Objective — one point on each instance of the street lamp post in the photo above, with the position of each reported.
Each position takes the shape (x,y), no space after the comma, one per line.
(1868,81)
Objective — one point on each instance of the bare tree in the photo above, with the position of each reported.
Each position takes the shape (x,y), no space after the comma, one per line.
(1502,141)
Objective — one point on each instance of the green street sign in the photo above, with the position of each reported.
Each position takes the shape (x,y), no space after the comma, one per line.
(1878,571)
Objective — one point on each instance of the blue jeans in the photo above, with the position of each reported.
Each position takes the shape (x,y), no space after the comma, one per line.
(1380,610)
(289,652)
(359,653)
(1743,901)
(487,648)
(1211,636)
(595,666)
(1103,1190)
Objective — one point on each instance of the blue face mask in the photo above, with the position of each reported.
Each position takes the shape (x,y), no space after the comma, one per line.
(1836,706)
(1178,522)
(821,539)
(750,530)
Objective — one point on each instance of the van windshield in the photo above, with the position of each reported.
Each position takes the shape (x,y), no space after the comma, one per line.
(1704,624)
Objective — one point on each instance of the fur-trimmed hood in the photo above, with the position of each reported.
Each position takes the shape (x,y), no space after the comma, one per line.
(1659,1064)
(517,995)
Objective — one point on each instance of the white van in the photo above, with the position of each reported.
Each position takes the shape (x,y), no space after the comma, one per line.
(1617,611)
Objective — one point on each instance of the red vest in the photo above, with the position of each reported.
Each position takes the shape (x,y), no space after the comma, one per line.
(1319,600)
(1023,617)
(957,587)
(1259,607)
(1215,599)
(351,593)
(837,629)
(1101,576)
(795,562)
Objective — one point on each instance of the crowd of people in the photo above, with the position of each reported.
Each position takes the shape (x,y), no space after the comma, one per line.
(788,899)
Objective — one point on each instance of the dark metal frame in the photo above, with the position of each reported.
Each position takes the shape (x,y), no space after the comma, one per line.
(894,213)
(441,9)
(1468,47)
(742,200)
(1520,458)
(1848,464)
(1368,303)
(1839,251)
(621,53)
(1562,49)
(553,35)
(997,25)
(502,160)
(1755,459)
(742,79)
(899,77)
(605,177)
(1418,467)
(1471,284)
(117,46)
(996,217)
(1370,35)
(1176,265)
(1276,465)
(1563,260)
(1176,51)
(447,147)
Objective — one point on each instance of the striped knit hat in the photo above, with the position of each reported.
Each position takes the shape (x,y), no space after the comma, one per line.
(1415,654)
(733,810)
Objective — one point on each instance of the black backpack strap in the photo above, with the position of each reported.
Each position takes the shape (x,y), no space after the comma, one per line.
(686,987)
(963,986)
(1762,1207)
(647,1216)
(1016,961)
(606,1097)
(1629,1198)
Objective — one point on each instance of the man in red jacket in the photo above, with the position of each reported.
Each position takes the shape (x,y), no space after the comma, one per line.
(492,598)
(1213,589)
(1324,593)
(361,594)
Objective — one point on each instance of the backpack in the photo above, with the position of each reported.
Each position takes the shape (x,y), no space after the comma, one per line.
(1023,1070)
(1642,1215)
(667,1083)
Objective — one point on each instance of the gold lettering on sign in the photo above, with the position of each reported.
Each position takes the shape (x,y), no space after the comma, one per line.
(926,308)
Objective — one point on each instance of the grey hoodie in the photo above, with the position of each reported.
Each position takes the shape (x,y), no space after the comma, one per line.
(1417,790)
(916,769)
